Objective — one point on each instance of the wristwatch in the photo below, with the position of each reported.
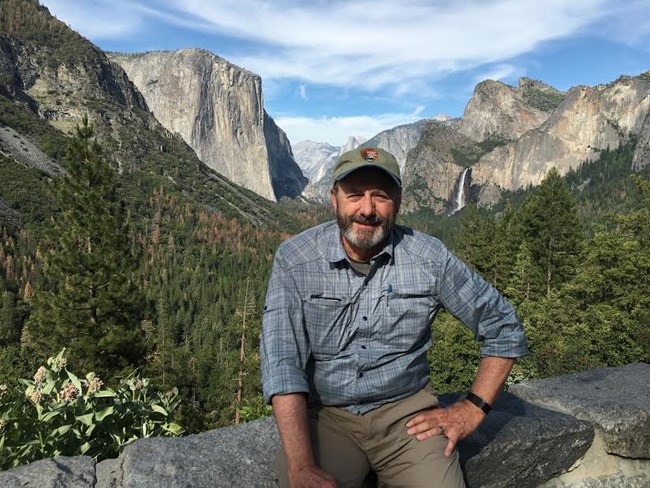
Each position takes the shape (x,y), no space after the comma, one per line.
(478,401)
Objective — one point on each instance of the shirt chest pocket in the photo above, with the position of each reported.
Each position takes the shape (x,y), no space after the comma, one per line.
(327,324)
(407,318)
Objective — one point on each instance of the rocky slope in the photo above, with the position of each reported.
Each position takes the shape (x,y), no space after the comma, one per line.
(319,158)
(217,108)
(588,119)
(51,77)
(512,137)
(401,139)
(433,166)
(499,111)
(314,157)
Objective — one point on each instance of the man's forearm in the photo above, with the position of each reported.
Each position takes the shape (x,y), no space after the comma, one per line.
(490,377)
(290,413)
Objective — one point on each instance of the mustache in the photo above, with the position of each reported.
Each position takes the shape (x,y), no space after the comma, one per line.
(360,219)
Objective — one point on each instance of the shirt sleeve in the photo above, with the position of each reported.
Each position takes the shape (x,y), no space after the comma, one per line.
(284,344)
(476,303)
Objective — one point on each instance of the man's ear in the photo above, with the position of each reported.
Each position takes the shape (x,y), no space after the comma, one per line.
(333,191)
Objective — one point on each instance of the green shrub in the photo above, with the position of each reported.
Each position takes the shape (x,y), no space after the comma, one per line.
(255,409)
(60,414)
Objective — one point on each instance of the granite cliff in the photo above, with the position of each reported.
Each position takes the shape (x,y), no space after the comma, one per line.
(217,108)
(588,119)
(512,137)
(51,77)
(499,111)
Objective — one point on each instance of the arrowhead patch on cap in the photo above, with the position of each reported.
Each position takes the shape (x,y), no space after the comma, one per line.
(369,154)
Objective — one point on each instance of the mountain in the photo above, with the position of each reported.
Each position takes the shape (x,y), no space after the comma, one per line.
(318,159)
(221,116)
(586,122)
(314,157)
(51,77)
(401,139)
(512,137)
(500,111)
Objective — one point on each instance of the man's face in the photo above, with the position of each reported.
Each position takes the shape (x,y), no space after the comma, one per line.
(366,204)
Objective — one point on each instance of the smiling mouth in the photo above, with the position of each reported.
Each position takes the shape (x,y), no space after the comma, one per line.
(368,225)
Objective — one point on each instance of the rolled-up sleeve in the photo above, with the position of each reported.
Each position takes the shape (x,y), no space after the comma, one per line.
(284,344)
(476,303)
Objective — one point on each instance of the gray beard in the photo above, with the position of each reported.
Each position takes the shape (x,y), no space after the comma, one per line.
(364,239)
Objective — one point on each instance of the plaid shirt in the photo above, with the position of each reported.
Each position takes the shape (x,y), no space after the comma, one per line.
(357,341)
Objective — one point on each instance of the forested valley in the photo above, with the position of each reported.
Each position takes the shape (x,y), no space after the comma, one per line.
(133,276)
(192,282)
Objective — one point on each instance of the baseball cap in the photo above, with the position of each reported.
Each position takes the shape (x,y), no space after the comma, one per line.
(367,157)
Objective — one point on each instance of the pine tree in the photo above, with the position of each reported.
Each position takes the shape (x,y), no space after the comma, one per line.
(90,303)
(552,230)
(8,321)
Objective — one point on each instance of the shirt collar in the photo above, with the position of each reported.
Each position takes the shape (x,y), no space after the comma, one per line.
(335,252)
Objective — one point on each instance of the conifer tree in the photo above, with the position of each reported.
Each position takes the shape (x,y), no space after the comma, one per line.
(90,303)
(8,326)
(552,230)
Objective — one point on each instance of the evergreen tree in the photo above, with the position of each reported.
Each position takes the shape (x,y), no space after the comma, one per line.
(552,230)
(8,319)
(476,245)
(89,303)
(525,276)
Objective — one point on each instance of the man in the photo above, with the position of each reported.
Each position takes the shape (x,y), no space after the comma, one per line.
(347,324)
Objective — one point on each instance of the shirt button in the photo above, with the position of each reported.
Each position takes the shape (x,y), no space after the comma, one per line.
(364,317)
(360,375)
(363,347)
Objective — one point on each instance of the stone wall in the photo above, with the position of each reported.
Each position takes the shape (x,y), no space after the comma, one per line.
(589,429)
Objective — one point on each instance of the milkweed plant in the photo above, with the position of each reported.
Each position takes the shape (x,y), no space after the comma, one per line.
(61,414)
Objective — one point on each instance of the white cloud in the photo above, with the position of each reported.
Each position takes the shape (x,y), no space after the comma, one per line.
(336,130)
(383,43)
(97,19)
(302,91)
(627,22)
(499,72)
(367,44)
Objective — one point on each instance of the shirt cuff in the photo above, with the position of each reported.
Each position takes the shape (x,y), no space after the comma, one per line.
(284,381)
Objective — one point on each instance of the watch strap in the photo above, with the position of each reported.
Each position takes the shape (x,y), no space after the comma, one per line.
(478,401)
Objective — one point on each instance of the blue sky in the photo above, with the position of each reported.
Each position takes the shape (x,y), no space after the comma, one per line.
(332,69)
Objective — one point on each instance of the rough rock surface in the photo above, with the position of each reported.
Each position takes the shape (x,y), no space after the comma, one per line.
(229,457)
(23,150)
(497,110)
(616,400)
(61,472)
(518,446)
(597,469)
(221,116)
(433,167)
(588,119)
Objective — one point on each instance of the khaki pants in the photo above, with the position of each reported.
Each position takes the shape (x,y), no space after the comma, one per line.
(349,446)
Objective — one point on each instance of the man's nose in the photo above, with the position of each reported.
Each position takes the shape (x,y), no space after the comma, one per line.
(367,207)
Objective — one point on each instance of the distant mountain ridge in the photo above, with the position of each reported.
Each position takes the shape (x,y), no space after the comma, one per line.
(398,140)
(511,137)
(51,77)
(221,116)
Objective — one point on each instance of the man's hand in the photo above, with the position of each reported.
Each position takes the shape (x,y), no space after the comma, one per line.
(311,476)
(455,423)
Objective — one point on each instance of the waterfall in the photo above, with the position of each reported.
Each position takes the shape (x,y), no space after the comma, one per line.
(461,190)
